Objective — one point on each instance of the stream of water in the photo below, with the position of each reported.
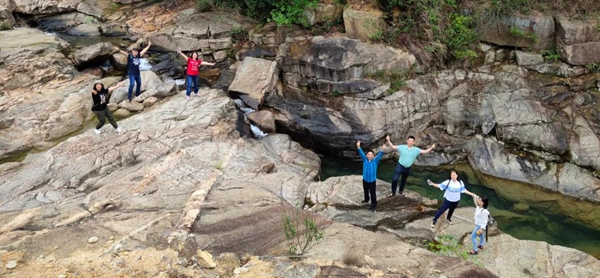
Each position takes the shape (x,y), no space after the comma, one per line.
(531,225)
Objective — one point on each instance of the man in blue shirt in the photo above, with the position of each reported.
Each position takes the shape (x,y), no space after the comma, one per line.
(370,163)
(408,155)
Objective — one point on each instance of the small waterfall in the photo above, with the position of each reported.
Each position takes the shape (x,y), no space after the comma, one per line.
(145,64)
(245,109)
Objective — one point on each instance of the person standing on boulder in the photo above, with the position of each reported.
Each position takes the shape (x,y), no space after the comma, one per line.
(408,155)
(453,188)
(100,97)
(481,220)
(193,69)
(370,163)
(133,68)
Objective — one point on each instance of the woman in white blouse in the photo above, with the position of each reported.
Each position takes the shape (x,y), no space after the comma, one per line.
(453,189)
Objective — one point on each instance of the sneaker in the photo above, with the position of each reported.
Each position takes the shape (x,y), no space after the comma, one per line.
(432,225)
(364,201)
(196,94)
(373,210)
(118,129)
(450,221)
(97,131)
(187,97)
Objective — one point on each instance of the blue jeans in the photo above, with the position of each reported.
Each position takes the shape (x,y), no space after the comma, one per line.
(400,171)
(191,80)
(445,206)
(138,82)
(474,236)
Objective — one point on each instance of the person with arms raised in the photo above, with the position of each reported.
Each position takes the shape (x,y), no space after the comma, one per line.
(408,154)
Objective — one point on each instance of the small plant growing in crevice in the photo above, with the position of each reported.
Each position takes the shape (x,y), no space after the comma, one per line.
(523,34)
(301,231)
(593,67)
(550,55)
(205,5)
(449,246)
(396,79)
(239,34)
(336,93)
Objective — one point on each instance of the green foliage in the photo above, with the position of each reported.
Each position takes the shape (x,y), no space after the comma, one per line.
(460,36)
(523,34)
(287,12)
(239,34)
(550,55)
(447,246)
(336,93)
(205,5)
(464,54)
(4,26)
(113,8)
(593,67)
(396,79)
(300,238)
(507,7)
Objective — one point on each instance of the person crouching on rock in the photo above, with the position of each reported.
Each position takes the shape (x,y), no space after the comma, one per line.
(481,220)
(193,66)
(453,188)
(370,163)
(133,69)
(100,96)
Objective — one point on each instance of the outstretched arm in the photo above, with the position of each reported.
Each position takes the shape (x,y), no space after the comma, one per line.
(390,143)
(428,150)
(469,193)
(207,63)
(116,48)
(111,89)
(360,151)
(181,54)
(437,185)
(146,49)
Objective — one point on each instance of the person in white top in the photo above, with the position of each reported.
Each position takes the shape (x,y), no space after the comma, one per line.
(481,221)
(453,188)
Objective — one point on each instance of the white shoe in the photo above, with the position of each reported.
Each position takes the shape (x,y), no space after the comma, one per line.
(118,130)
(97,131)
(187,97)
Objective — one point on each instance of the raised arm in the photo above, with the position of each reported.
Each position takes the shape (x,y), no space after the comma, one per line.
(360,151)
(146,49)
(185,57)
(380,154)
(111,89)
(116,48)
(390,143)
(428,150)
(475,199)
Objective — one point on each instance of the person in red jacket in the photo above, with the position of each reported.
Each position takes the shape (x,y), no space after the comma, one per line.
(193,69)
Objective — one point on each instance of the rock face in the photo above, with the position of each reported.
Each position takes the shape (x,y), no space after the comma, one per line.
(151,179)
(338,64)
(532,30)
(255,79)
(6,18)
(93,54)
(324,12)
(42,7)
(577,41)
(21,68)
(264,120)
(363,24)
(493,160)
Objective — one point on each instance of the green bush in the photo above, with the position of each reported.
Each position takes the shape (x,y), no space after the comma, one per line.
(239,34)
(287,12)
(205,5)
(396,79)
(550,55)
(300,238)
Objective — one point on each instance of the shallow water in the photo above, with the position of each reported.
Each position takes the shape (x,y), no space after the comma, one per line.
(531,225)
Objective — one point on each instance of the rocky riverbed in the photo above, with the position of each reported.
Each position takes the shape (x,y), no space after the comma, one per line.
(182,183)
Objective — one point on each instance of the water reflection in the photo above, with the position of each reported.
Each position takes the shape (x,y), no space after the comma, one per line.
(532,224)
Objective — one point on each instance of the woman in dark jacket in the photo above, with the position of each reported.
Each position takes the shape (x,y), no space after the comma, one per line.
(100,96)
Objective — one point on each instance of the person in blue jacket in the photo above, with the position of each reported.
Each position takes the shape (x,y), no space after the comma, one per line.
(370,163)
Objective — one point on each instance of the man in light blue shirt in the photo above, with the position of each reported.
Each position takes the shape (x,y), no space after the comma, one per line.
(370,162)
(408,155)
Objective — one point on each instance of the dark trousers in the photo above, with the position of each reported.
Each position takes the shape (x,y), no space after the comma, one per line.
(445,206)
(102,115)
(403,172)
(369,188)
(137,80)
(192,81)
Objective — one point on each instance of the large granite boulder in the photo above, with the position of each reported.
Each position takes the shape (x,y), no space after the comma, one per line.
(93,54)
(255,79)
(578,41)
(6,18)
(149,81)
(364,25)
(534,30)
